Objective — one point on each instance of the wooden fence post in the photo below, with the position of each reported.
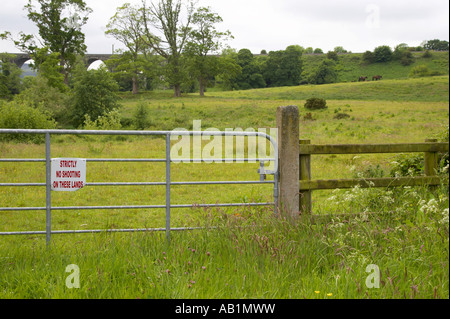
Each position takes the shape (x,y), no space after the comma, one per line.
(431,161)
(305,202)
(288,155)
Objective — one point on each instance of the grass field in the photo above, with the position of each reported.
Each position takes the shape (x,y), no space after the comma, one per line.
(269,257)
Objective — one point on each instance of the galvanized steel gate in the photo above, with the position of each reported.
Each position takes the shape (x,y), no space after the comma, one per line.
(168,182)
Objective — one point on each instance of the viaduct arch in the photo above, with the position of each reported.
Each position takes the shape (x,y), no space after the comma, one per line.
(21,58)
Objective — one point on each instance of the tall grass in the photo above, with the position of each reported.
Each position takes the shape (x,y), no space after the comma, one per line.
(250,254)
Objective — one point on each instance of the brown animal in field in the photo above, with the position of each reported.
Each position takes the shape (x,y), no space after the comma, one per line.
(376,77)
(362,78)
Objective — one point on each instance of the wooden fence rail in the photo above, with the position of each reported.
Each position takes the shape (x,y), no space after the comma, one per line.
(306,185)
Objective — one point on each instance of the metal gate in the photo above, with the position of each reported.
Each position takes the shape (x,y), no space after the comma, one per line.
(168,182)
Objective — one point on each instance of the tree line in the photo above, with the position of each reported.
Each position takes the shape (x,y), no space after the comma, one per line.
(402,52)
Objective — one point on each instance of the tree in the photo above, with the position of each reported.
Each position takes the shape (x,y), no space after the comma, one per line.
(272,71)
(94,94)
(167,34)
(368,57)
(403,54)
(204,41)
(250,77)
(325,73)
(134,72)
(436,45)
(283,68)
(48,65)
(10,83)
(231,70)
(340,49)
(127,26)
(382,54)
(59,23)
(318,51)
(332,55)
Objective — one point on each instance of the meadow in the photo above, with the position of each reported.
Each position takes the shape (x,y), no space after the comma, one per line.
(242,252)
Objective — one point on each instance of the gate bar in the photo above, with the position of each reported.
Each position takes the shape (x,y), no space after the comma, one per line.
(48,191)
(150,160)
(168,187)
(148,183)
(7,209)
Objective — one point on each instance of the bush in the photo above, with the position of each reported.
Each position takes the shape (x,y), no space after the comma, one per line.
(325,73)
(140,120)
(368,57)
(341,116)
(413,165)
(332,55)
(22,116)
(308,117)
(422,71)
(110,121)
(443,158)
(316,104)
(407,59)
(94,94)
(382,54)
(371,171)
(404,56)
(50,100)
(427,54)
(408,165)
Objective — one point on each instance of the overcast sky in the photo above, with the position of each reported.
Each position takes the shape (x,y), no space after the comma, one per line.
(356,25)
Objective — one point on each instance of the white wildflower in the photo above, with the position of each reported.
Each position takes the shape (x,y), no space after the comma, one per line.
(444,219)
(430,207)
(388,199)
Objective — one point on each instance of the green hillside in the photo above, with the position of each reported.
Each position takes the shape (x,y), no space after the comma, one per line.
(351,66)
(426,89)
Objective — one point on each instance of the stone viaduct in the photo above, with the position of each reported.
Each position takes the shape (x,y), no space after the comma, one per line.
(21,58)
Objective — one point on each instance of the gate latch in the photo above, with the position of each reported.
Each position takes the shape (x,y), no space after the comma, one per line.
(262,172)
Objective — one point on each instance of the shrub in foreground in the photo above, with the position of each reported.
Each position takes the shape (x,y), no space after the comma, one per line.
(14,115)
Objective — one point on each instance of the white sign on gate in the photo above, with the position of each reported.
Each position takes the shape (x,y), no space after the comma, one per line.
(68,174)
